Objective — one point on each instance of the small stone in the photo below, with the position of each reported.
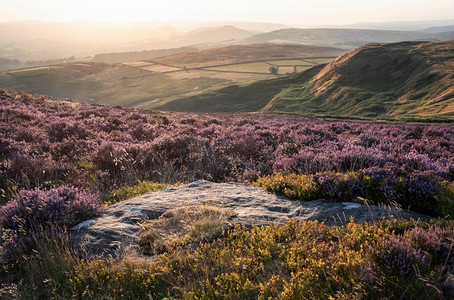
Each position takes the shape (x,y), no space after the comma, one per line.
(351,205)
(84,224)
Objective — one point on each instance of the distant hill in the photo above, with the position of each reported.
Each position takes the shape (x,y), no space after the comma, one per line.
(122,57)
(345,38)
(245,53)
(419,25)
(212,35)
(439,29)
(399,81)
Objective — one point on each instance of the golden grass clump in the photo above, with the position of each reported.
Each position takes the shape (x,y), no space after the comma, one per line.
(183,225)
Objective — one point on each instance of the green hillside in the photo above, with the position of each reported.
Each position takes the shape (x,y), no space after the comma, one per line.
(409,80)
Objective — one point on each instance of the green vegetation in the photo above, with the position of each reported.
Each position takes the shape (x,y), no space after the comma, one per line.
(128,192)
(298,260)
(427,195)
(409,81)
(317,61)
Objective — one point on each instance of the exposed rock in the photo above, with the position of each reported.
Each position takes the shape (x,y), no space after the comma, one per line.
(119,226)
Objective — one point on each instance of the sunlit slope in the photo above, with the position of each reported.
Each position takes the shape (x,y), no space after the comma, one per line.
(400,80)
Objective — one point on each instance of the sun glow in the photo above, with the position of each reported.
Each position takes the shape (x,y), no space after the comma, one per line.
(284,11)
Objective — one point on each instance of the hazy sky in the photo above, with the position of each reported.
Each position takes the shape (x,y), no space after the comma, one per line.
(278,11)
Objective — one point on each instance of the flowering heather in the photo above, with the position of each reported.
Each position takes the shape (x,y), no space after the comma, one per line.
(44,142)
(62,207)
(35,213)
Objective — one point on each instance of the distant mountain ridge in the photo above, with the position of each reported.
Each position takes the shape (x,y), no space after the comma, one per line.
(440,29)
(344,38)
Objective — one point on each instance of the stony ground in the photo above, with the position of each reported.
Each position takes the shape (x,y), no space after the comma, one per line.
(117,229)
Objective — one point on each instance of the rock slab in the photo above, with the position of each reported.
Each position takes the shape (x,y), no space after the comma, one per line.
(119,226)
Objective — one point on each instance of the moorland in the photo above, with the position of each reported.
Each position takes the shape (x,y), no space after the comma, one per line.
(60,159)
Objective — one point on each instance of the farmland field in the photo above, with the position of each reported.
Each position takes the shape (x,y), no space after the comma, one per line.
(159,68)
(141,84)
(286,70)
(138,64)
(302,68)
(259,67)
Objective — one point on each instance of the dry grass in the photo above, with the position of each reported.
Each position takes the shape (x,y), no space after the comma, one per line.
(189,224)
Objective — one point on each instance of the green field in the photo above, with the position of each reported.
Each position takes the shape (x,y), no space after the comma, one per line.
(259,67)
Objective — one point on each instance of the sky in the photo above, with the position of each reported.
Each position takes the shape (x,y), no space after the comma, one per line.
(330,12)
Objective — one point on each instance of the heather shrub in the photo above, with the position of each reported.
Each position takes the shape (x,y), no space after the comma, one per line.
(395,257)
(62,207)
(437,242)
(45,270)
(340,186)
(34,212)
(103,149)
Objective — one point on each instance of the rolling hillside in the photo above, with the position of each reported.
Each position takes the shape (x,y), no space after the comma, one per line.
(399,81)
(153,83)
